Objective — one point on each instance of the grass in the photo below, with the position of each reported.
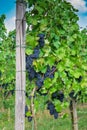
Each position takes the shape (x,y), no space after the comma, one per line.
(47,122)
(82,117)
(43,118)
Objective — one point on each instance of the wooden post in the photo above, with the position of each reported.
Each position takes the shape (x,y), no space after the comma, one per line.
(20,66)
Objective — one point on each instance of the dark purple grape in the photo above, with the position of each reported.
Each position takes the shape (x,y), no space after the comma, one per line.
(29,61)
(39,81)
(41,35)
(26,109)
(36,53)
(51,111)
(41,42)
(29,118)
(54,95)
(32,74)
(55,114)
(58,95)
(50,105)
(26,94)
(47,72)
(51,76)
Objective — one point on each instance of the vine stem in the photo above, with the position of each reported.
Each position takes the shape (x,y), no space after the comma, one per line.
(73,112)
(34,125)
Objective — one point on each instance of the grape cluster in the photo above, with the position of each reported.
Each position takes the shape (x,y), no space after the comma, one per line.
(29,59)
(50,106)
(58,95)
(28,117)
(52,110)
(32,74)
(26,110)
(41,40)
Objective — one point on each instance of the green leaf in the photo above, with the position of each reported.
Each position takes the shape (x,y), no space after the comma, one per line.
(47,83)
(56,44)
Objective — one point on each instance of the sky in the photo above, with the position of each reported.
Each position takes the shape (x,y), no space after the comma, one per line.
(8,7)
(81,5)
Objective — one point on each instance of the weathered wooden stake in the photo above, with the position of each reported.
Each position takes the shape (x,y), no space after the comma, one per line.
(20,66)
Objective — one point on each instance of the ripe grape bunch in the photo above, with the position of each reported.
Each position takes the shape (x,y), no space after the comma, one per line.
(32,74)
(50,106)
(58,95)
(52,110)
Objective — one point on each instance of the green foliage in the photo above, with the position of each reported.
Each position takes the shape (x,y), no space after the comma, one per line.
(2,27)
(7,56)
(7,62)
(65,45)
